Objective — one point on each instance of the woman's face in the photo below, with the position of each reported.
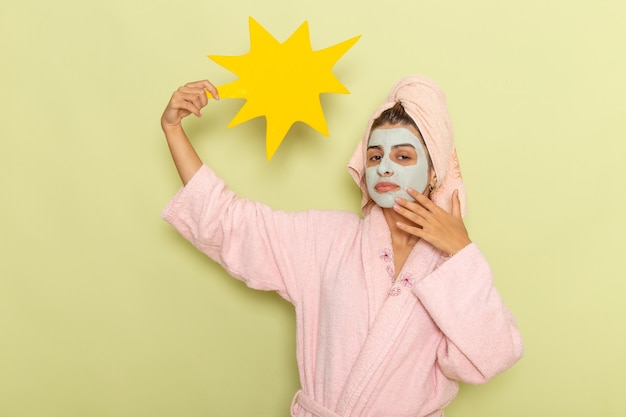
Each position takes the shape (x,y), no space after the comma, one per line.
(396,160)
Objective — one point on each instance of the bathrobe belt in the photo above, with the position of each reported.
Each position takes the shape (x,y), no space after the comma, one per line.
(318,410)
(311,406)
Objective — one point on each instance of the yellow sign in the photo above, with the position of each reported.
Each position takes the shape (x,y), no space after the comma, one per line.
(282,81)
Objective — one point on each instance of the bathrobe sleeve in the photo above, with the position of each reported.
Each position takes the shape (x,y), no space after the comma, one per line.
(267,249)
(481,337)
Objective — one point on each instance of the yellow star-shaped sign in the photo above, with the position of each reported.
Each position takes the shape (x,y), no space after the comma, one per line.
(282,81)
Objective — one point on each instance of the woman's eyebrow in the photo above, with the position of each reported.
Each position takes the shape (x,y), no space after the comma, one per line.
(403,144)
(374,147)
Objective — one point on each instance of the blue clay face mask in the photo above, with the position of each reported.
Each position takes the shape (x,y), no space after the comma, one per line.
(396,161)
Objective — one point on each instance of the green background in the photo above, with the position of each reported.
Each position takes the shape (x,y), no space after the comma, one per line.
(106,311)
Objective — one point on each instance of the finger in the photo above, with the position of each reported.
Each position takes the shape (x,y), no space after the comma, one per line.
(414,217)
(415,231)
(206,87)
(418,206)
(186,96)
(185,103)
(456,204)
(194,96)
(210,89)
(188,90)
(413,207)
(202,84)
(199,100)
(423,200)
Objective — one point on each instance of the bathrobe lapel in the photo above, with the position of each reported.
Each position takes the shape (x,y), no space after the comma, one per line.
(390,307)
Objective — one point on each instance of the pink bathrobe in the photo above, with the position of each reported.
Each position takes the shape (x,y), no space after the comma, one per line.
(366,346)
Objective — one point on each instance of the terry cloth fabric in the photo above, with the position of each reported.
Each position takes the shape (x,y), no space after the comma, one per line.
(367,345)
(371,341)
(425,102)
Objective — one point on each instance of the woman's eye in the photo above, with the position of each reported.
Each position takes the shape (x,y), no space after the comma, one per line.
(375,158)
(404,157)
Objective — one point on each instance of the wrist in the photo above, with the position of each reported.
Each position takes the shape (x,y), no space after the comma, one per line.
(169,128)
(458,248)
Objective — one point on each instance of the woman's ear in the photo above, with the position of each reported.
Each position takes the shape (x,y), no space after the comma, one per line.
(432,181)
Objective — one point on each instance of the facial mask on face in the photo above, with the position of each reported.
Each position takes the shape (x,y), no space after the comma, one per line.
(390,172)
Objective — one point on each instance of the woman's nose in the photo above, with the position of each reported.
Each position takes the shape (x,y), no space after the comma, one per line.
(384,168)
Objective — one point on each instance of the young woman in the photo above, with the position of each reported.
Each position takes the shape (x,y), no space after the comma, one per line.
(392,309)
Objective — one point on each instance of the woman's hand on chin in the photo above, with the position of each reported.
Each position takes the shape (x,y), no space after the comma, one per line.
(445,231)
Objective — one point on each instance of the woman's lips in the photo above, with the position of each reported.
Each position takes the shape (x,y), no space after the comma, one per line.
(383,187)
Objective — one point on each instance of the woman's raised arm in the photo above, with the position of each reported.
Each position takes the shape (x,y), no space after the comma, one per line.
(188,99)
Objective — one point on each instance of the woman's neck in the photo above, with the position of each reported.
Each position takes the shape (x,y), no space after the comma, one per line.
(402,243)
(398,236)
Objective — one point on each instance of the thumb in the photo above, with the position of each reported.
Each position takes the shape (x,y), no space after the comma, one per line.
(456,204)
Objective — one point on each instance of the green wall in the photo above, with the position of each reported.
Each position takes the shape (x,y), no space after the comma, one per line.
(106,311)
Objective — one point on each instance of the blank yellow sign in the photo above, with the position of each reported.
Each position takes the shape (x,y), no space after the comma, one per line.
(282,81)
